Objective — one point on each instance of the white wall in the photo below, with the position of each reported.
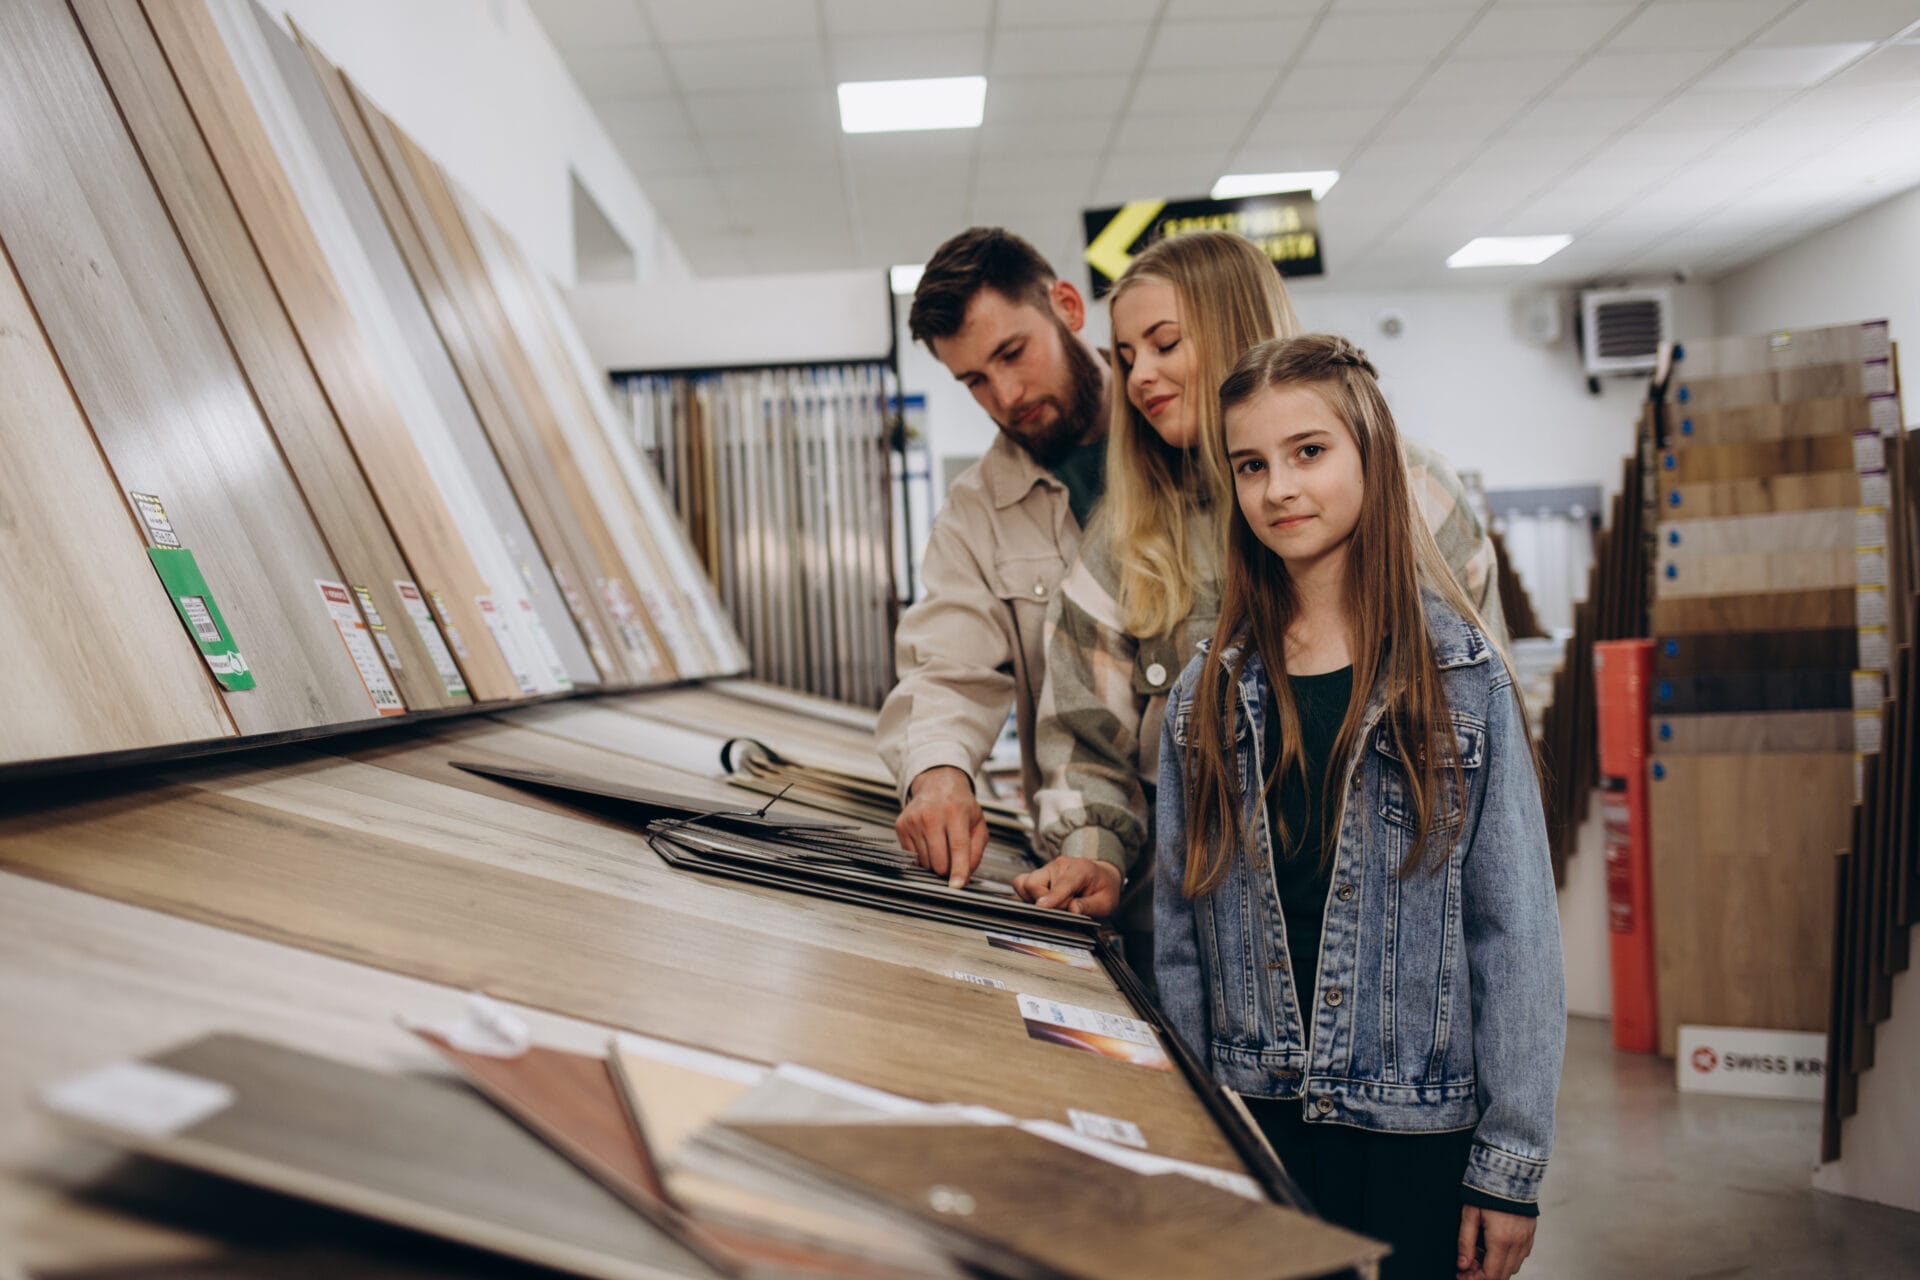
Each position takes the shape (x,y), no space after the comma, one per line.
(1880,1146)
(745,320)
(1866,268)
(481,88)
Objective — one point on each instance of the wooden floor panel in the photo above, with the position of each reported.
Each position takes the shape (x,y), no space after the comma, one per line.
(1741,573)
(1835,529)
(1773,732)
(1769,495)
(1762,611)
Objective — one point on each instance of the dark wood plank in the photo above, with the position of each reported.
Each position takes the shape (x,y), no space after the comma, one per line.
(1705,653)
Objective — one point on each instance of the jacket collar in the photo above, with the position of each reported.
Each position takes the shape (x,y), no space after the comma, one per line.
(1009,472)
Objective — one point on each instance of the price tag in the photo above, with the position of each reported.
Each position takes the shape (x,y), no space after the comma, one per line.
(416,606)
(194,602)
(355,634)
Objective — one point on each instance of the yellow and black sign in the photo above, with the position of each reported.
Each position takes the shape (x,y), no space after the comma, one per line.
(1286,225)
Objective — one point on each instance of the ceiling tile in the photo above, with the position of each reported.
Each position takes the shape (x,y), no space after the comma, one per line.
(618,70)
(1352,84)
(1562,113)
(1286,155)
(765,64)
(642,118)
(1891,64)
(1567,28)
(1045,135)
(1360,37)
(1429,158)
(1342,126)
(1032,176)
(678,22)
(1473,120)
(1267,43)
(1698,24)
(681,195)
(884,17)
(572,23)
(1035,99)
(807,191)
(771,150)
(1657,150)
(1075,13)
(1224,88)
(1787,67)
(1183,10)
(1841,111)
(1698,109)
(907,57)
(1494,79)
(660,156)
(1610,74)
(1842,20)
(1145,131)
(1137,176)
(1049,50)
(786,111)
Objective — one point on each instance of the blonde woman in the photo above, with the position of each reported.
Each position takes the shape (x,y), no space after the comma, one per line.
(1146,587)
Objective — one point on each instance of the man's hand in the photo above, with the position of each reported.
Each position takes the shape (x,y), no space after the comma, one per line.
(1084,886)
(1492,1244)
(942,825)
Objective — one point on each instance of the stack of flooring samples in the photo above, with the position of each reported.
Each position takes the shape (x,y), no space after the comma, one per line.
(1877,876)
(338,456)
(784,478)
(1770,625)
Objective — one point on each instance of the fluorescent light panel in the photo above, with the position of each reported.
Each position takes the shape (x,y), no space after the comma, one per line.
(897,106)
(1318,181)
(906,277)
(1508,251)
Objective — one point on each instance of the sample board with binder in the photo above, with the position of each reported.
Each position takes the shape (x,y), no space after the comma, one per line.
(1774,618)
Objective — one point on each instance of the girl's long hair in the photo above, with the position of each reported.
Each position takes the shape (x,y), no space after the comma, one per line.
(1230,298)
(1392,555)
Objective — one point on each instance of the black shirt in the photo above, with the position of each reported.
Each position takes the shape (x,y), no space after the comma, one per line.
(1300,873)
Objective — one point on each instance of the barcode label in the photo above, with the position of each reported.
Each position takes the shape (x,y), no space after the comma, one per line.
(443,663)
(379,628)
(160,530)
(1869,451)
(200,618)
(355,634)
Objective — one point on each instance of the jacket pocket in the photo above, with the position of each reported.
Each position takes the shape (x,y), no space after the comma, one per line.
(1396,790)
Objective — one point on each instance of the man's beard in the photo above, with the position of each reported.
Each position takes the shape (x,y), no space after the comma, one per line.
(1074,420)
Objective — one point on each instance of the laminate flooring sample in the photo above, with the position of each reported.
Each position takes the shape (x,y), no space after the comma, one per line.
(1692,463)
(1741,573)
(1742,853)
(153,373)
(1757,424)
(1001,1195)
(1740,692)
(1771,495)
(1817,610)
(412,362)
(99,662)
(268,349)
(480,367)
(1752,651)
(426,1154)
(260,177)
(1770,732)
(1836,529)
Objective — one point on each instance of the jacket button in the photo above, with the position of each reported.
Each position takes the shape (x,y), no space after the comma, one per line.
(1346,893)
(1356,779)
(1156,674)
(1323,1105)
(1334,997)
(1039,588)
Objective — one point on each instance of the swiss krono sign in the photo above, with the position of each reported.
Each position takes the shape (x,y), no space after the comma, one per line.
(1760,1064)
(1286,225)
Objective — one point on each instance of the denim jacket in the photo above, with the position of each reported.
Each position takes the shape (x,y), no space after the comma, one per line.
(1440,1002)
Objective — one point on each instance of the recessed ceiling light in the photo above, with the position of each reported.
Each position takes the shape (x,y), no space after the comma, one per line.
(1507,251)
(1318,181)
(906,278)
(895,106)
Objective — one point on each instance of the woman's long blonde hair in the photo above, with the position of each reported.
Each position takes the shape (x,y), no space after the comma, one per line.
(1230,298)
(1391,557)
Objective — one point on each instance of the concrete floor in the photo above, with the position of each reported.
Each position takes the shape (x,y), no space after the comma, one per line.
(1649,1182)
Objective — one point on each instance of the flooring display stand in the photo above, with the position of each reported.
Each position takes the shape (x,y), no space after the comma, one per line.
(1774,628)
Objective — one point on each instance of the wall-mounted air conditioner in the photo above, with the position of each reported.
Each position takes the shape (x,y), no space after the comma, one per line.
(1623,330)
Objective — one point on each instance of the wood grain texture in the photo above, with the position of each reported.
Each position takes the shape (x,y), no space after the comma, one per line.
(498,413)
(1741,692)
(341,351)
(1024,1191)
(151,368)
(1772,732)
(1742,866)
(97,658)
(419,1153)
(360,254)
(1763,611)
(1692,463)
(1755,424)
(1769,495)
(1708,653)
(1831,530)
(1747,572)
(366,888)
(263,339)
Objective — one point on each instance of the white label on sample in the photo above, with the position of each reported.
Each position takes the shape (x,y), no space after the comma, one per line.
(1866,732)
(1876,650)
(1884,413)
(1870,566)
(1874,490)
(200,618)
(1754,1064)
(1106,1128)
(358,638)
(1078,1018)
(377,626)
(160,530)
(976,979)
(1876,377)
(508,643)
(1876,340)
(416,607)
(1870,607)
(1869,451)
(543,643)
(1869,690)
(138,1097)
(1870,527)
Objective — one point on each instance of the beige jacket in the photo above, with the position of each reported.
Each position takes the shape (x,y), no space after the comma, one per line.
(975,645)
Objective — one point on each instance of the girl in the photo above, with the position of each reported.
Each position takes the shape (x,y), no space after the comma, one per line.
(1122,625)
(1355,921)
